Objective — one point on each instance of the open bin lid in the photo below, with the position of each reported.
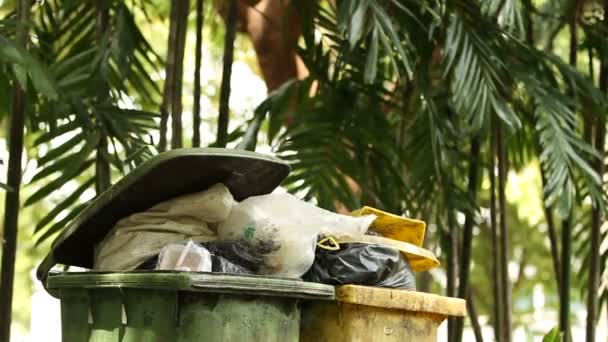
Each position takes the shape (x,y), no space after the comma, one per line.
(165,176)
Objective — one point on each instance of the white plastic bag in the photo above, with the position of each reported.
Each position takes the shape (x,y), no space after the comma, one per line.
(140,236)
(283,230)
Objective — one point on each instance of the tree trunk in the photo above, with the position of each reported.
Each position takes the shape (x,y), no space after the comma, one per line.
(472,310)
(553,243)
(597,217)
(504,234)
(224,110)
(196,111)
(452,268)
(564,314)
(274,30)
(169,78)
(102,165)
(467,237)
(182,8)
(497,284)
(172,89)
(11,205)
(564,308)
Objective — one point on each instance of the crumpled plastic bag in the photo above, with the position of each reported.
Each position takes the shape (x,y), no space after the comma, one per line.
(140,236)
(282,230)
(362,264)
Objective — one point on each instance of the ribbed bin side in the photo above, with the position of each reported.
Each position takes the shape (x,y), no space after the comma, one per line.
(363,313)
(140,315)
(340,322)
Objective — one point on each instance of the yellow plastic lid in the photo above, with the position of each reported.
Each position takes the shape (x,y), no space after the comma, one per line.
(395,227)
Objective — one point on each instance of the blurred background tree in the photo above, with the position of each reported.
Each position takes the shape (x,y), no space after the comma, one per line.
(484,118)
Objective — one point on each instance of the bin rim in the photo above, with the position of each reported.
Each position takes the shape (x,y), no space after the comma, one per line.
(403,300)
(241,284)
(164,176)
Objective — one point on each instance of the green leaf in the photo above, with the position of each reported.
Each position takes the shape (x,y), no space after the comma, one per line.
(20,75)
(477,73)
(371,64)
(62,149)
(71,171)
(387,26)
(25,64)
(5,187)
(357,22)
(58,226)
(57,183)
(553,336)
(63,205)
(56,132)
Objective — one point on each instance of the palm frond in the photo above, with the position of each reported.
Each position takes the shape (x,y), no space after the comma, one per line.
(478,77)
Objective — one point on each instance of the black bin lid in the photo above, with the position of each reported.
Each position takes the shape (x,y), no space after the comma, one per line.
(167,175)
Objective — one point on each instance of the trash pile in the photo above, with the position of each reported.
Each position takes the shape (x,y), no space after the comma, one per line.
(274,234)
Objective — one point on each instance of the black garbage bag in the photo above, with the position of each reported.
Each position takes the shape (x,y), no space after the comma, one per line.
(232,257)
(362,264)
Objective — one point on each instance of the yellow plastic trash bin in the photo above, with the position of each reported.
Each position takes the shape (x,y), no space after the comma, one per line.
(362,314)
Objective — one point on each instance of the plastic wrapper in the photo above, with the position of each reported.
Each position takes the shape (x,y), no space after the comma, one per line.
(281,231)
(184,257)
(226,257)
(362,264)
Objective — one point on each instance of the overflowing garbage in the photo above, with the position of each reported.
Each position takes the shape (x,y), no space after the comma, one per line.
(275,234)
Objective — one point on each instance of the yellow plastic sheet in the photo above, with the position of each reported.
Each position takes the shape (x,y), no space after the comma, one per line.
(395,227)
(404,234)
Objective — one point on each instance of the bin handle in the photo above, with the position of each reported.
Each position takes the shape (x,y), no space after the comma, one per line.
(43,270)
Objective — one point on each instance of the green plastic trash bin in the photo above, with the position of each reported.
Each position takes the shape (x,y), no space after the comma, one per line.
(180,306)
(153,306)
